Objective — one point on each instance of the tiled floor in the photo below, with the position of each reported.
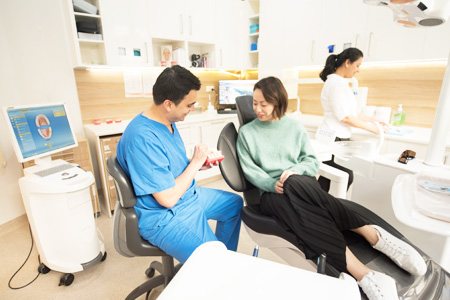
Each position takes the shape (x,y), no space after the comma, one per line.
(112,279)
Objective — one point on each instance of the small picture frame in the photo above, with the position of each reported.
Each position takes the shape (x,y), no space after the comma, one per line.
(166,53)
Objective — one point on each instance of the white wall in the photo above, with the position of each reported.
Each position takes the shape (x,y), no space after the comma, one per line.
(35,68)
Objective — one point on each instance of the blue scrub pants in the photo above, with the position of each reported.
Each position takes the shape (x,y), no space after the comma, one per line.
(189,226)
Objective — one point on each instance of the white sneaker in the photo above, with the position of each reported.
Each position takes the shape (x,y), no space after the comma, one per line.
(379,286)
(404,255)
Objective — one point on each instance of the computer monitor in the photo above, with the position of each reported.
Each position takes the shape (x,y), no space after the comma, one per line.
(230,89)
(38,131)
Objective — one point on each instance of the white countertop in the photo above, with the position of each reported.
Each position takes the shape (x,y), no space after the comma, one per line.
(411,134)
(118,128)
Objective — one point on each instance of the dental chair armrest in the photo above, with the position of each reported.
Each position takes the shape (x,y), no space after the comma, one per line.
(338,180)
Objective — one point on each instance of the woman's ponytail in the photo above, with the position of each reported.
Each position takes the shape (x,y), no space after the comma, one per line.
(335,61)
(330,67)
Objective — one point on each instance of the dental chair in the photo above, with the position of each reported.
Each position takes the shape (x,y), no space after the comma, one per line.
(266,232)
(127,239)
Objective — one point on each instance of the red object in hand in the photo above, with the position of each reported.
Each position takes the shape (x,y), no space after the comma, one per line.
(213,157)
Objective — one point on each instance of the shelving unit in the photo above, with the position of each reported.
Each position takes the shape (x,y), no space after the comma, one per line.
(189,49)
(87,51)
(253,37)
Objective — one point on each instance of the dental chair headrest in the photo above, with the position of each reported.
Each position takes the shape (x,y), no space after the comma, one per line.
(245,112)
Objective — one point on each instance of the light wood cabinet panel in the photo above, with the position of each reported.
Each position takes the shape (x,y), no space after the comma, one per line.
(108,147)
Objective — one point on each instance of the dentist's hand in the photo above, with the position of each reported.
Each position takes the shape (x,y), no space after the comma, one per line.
(199,156)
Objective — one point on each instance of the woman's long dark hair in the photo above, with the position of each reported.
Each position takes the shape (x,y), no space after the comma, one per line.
(335,61)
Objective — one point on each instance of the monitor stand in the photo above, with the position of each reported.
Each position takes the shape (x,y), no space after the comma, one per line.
(227,111)
(43,163)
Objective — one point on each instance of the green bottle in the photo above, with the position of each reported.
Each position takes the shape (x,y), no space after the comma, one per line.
(398,117)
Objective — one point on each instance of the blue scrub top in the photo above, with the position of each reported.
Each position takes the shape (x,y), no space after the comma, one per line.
(153,157)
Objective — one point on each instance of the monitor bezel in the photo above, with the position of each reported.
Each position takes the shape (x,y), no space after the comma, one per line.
(13,138)
(229,80)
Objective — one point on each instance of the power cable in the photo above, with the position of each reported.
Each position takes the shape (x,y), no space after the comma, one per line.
(39,273)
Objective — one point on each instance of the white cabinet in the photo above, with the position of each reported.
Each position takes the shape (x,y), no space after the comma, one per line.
(230,36)
(272,38)
(167,19)
(201,21)
(301,31)
(437,42)
(343,26)
(387,41)
(186,24)
(192,20)
(301,26)
(126,32)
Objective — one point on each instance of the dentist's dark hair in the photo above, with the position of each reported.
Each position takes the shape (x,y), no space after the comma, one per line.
(334,61)
(174,84)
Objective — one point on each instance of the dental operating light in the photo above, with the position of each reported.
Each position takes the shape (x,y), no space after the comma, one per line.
(427,13)
(416,13)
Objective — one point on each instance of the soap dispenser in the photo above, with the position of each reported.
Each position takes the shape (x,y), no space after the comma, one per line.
(398,117)
(211,108)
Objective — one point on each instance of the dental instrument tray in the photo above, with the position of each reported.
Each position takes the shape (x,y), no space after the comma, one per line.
(433,195)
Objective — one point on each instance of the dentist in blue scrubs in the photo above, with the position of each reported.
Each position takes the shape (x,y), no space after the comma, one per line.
(173,211)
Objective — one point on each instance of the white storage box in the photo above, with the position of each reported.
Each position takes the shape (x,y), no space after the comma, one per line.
(90,36)
(84,7)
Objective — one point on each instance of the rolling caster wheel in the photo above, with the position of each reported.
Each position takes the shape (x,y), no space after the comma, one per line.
(103,257)
(66,279)
(150,272)
(43,269)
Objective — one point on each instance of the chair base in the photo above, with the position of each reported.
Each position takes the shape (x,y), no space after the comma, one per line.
(167,271)
(282,248)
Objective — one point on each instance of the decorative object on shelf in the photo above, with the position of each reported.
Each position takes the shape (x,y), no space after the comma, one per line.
(254,28)
(166,54)
(195,58)
(179,56)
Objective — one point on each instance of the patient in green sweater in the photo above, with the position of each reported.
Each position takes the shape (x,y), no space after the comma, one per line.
(276,156)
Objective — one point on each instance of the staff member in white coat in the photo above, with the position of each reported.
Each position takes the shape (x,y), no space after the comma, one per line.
(339,102)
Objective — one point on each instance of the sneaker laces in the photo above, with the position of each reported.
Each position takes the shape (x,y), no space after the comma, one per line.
(372,289)
(392,247)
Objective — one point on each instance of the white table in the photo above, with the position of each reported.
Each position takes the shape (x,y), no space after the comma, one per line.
(213,272)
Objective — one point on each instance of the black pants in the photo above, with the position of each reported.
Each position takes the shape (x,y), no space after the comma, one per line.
(316,217)
(325,182)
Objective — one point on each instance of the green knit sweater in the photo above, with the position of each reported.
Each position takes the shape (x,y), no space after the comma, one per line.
(266,149)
